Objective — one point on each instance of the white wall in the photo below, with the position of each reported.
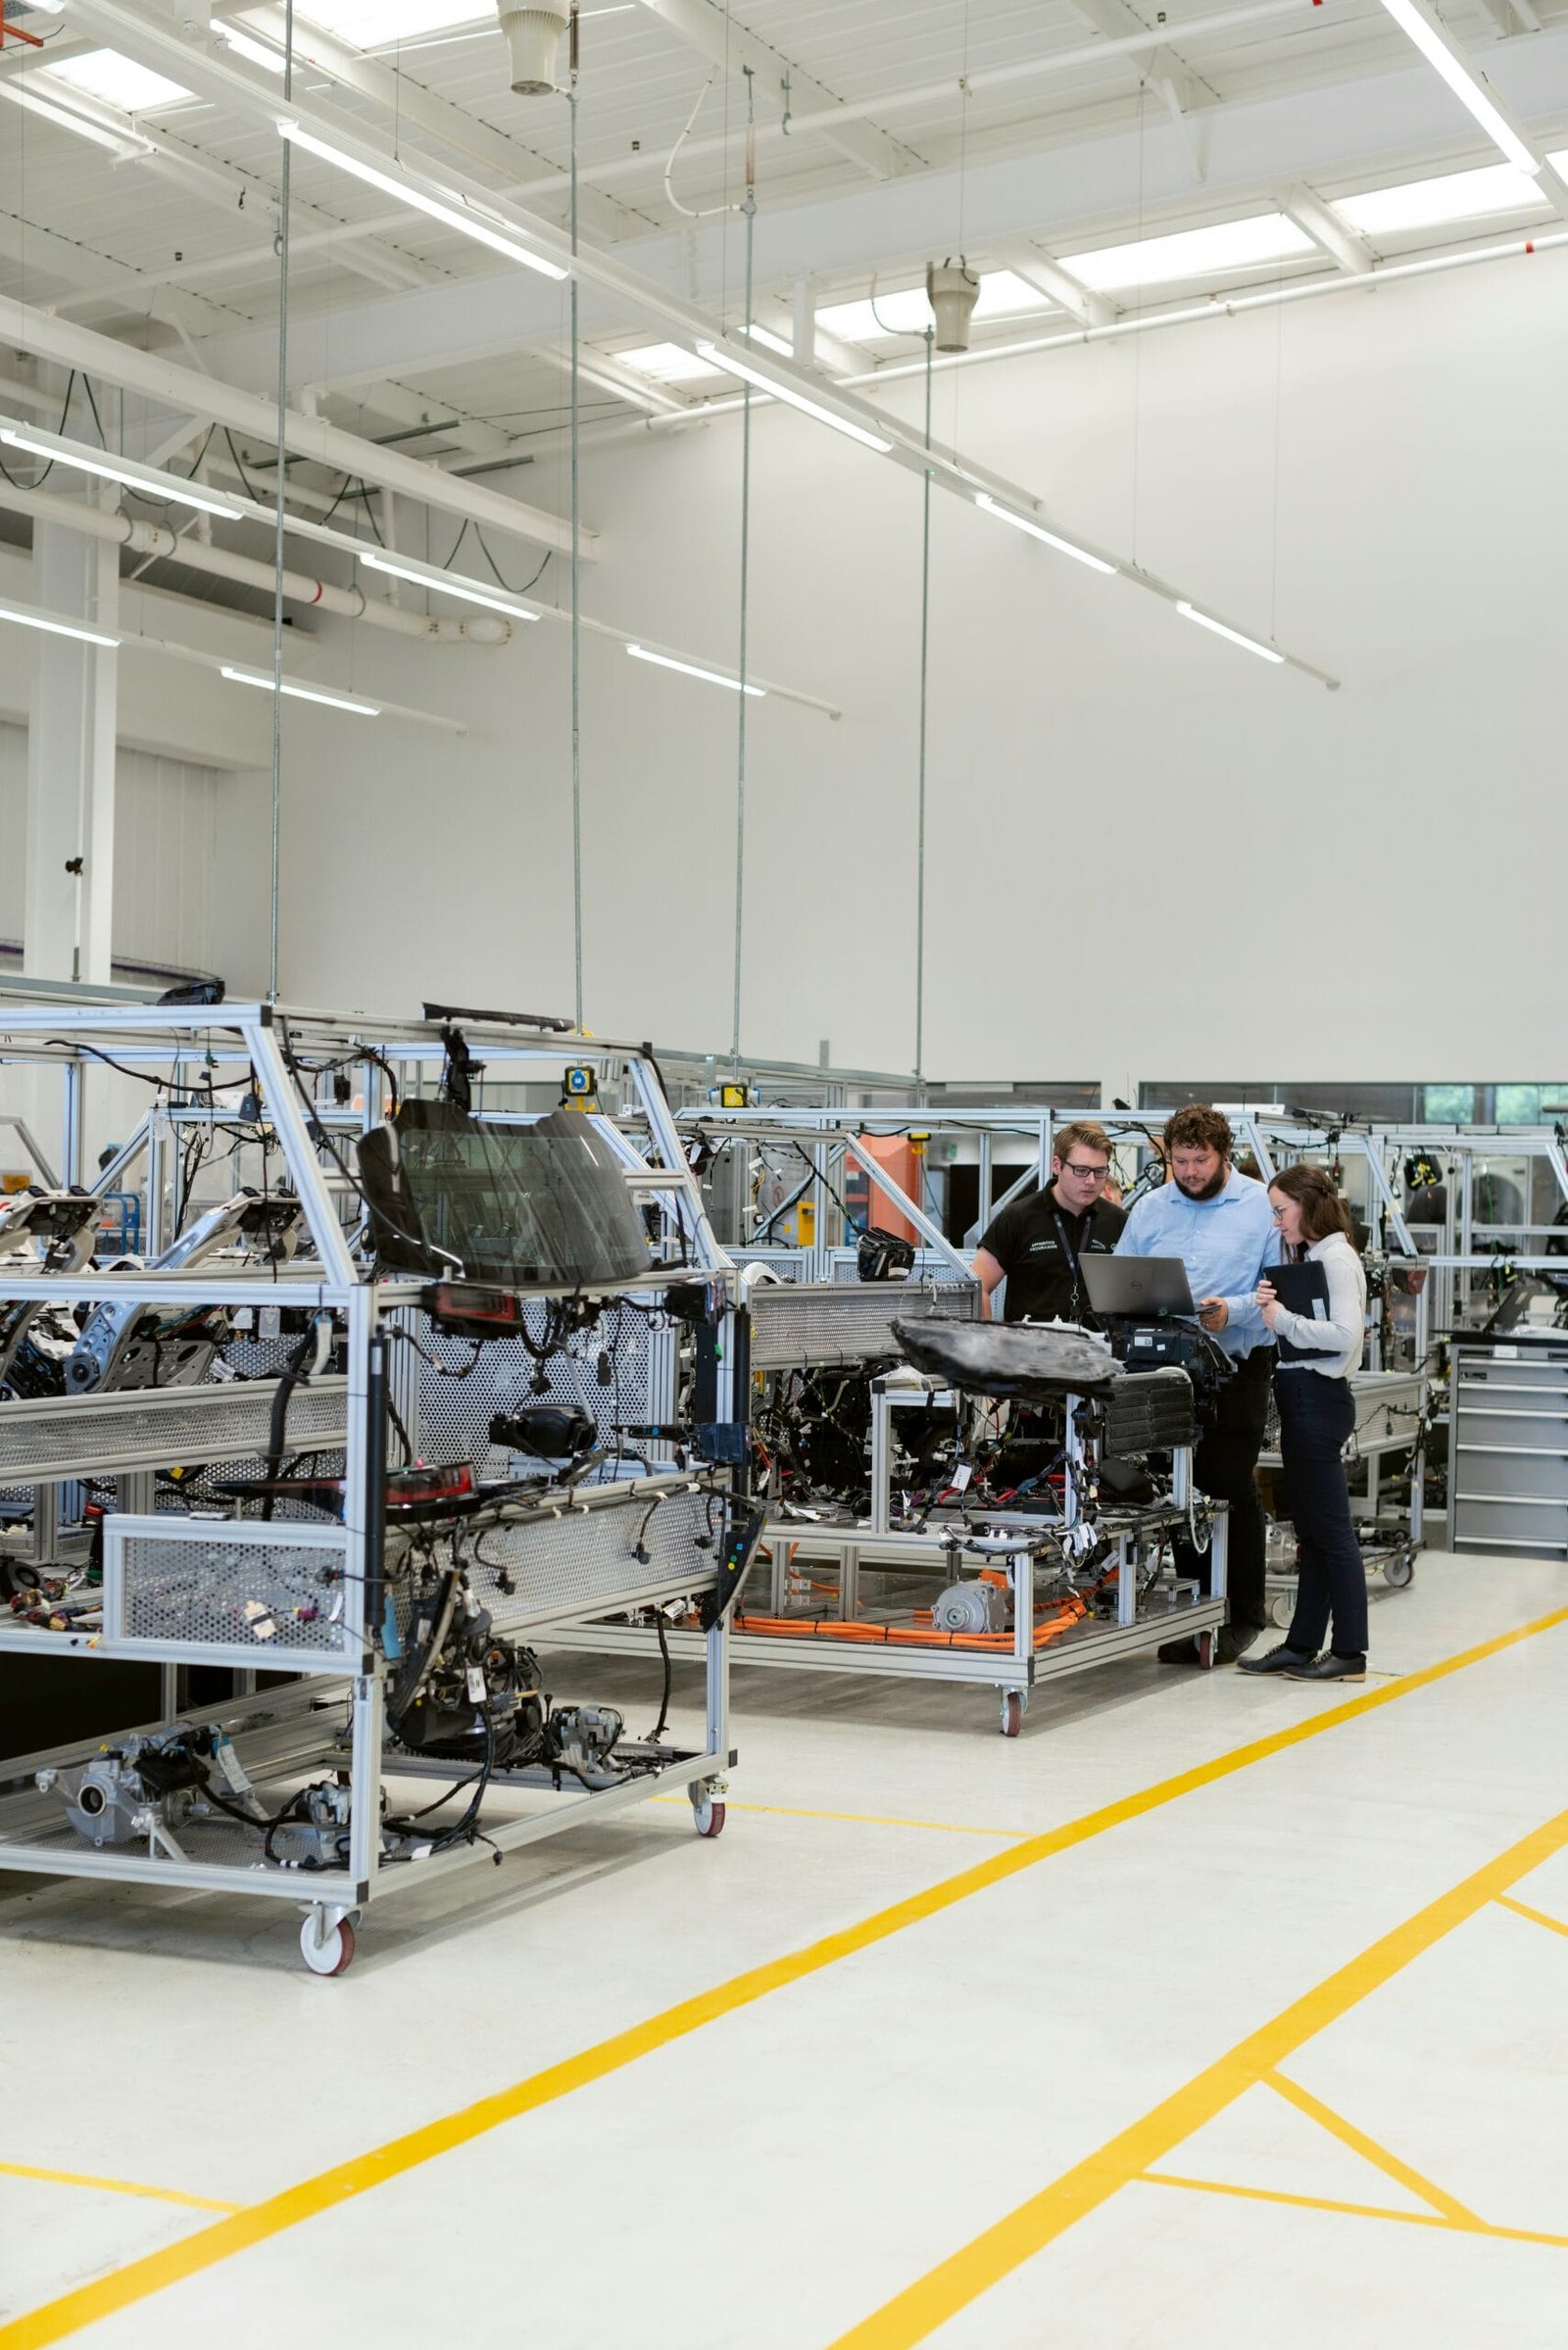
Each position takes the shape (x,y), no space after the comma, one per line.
(168,902)
(1149,853)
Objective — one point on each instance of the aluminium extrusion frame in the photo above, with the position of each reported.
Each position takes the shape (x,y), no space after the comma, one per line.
(841,1324)
(287,1729)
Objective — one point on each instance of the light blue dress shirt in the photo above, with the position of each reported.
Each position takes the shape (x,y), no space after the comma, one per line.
(1224,1242)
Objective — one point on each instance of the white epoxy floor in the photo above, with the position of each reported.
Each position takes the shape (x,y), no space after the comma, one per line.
(777,2171)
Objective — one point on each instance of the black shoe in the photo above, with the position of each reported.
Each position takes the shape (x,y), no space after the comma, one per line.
(1330,1667)
(1283,1659)
(1178,1652)
(1233,1641)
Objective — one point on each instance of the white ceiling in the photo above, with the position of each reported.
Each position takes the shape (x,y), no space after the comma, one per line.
(403,329)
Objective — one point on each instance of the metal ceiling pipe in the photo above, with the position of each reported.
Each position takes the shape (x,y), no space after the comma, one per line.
(199,555)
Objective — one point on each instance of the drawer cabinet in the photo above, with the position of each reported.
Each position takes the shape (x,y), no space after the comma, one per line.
(1508,1449)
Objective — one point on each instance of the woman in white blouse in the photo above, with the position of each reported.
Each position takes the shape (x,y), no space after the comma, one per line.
(1317,1353)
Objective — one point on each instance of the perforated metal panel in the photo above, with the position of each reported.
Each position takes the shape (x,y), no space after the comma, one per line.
(96,1434)
(457,1403)
(585,1562)
(275,1596)
(822,1323)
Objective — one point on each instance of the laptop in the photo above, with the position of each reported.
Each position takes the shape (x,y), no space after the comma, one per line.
(1146,1288)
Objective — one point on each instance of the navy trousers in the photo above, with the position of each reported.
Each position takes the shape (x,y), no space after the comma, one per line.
(1316,1415)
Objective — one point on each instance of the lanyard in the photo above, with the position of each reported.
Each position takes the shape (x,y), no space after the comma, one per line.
(1069,1251)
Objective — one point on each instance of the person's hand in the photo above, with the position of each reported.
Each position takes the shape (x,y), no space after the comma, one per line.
(1214,1312)
(1268,1303)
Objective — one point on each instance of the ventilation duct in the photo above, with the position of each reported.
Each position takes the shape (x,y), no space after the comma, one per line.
(533,37)
(953,293)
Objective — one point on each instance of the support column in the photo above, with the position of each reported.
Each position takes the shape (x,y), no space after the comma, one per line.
(71,760)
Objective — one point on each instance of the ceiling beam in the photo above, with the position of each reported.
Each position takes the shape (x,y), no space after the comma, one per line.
(162,381)
(1182,89)
(1388,122)
(1046,276)
(1327,230)
(711,31)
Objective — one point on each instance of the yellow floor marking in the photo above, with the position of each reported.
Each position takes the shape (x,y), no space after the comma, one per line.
(858,1819)
(1371,2151)
(918,2312)
(115,2187)
(1537,1917)
(328,2190)
(1359,2211)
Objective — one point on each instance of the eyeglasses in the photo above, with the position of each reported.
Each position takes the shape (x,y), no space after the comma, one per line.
(1278,1215)
(1088,1174)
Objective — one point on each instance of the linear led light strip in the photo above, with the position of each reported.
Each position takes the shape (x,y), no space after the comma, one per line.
(1419,25)
(750,374)
(453,211)
(1248,643)
(25,617)
(446,583)
(689,669)
(123,470)
(302,693)
(1036,530)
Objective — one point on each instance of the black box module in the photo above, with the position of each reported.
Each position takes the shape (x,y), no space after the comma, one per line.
(1149,1411)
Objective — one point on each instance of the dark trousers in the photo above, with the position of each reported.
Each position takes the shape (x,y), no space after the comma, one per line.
(1223,1462)
(1316,1415)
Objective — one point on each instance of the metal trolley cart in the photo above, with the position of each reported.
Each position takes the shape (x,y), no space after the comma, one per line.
(1081,1580)
(397,1603)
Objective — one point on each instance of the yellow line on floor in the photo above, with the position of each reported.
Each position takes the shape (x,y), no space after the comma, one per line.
(858,1819)
(115,2187)
(1359,2211)
(1537,1917)
(329,2190)
(916,2313)
(1369,2150)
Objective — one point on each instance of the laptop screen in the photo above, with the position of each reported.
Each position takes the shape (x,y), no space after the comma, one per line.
(1150,1287)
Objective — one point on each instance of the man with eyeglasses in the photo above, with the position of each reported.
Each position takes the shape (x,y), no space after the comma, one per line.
(1219,1223)
(1035,1243)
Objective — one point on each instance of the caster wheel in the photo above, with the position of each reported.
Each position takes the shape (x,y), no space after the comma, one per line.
(1401,1571)
(1011,1713)
(1207,1649)
(708,1813)
(1280,1613)
(333,1954)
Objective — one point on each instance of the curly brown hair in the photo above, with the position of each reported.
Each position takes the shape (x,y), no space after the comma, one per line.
(1197,1127)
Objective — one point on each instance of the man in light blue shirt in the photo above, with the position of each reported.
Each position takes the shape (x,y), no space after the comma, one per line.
(1220,1224)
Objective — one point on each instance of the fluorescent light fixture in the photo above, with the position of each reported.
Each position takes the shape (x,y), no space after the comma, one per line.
(1216,252)
(452,211)
(1433,203)
(669,362)
(146,478)
(689,669)
(256,53)
(787,392)
(116,80)
(1419,25)
(447,583)
(25,618)
(1248,643)
(123,145)
(303,693)
(1003,294)
(768,341)
(1036,530)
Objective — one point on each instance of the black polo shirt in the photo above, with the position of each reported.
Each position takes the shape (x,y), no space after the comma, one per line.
(1026,1239)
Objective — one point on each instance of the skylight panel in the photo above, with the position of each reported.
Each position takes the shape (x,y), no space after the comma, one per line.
(1216,252)
(668,362)
(1003,294)
(368,24)
(117,80)
(1432,203)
